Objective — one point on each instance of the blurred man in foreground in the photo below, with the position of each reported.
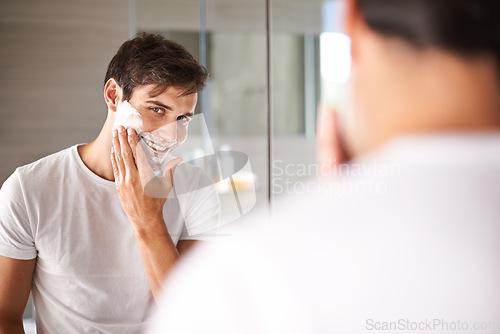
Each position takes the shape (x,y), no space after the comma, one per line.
(420,251)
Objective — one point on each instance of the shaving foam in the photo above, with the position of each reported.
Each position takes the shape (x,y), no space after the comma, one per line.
(156,149)
(128,117)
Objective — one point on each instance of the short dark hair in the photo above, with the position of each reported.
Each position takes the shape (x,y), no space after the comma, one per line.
(153,59)
(467,27)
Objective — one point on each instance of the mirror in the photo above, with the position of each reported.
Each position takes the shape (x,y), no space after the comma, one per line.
(54,58)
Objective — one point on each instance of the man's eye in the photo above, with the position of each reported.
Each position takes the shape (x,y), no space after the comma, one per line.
(157,110)
(183,118)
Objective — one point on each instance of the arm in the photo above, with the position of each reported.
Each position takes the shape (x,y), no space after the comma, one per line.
(184,246)
(145,213)
(159,254)
(15,286)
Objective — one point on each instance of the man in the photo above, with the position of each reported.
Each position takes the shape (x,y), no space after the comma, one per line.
(407,238)
(82,228)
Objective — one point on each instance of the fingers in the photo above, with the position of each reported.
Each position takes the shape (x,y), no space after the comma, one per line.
(133,141)
(329,148)
(170,167)
(128,156)
(114,164)
(117,158)
(172,164)
(125,138)
(123,153)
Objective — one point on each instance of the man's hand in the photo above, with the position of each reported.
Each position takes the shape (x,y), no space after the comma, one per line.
(131,170)
(145,213)
(330,151)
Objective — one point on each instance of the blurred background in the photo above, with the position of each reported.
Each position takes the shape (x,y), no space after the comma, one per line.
(271,63)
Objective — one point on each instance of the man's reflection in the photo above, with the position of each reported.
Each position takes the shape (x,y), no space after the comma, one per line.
(78,228)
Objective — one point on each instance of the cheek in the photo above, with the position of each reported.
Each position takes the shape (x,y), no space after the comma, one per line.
(182,130)
(148,125)
(158,126)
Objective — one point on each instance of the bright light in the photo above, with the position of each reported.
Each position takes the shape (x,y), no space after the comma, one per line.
(335,57)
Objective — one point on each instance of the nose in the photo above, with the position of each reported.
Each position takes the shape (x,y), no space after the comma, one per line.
(167,131)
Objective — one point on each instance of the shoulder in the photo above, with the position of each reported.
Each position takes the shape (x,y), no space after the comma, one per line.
(45,169)
(50,161)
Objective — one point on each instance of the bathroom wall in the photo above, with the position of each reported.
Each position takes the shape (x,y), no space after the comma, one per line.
(53,58)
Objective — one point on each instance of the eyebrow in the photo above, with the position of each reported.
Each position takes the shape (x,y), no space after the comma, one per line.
(158,103)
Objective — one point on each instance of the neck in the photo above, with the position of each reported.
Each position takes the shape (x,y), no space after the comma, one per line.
(96,155)
(457,94)
(430,91)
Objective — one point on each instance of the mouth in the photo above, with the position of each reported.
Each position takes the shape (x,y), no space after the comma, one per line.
(157,144)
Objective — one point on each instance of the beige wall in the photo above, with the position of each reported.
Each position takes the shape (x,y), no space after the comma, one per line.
(53,58)
(289,16)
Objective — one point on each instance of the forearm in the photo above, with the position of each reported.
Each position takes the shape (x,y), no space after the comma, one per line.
(15,283)
(159,254)
(11,326)
(145,213)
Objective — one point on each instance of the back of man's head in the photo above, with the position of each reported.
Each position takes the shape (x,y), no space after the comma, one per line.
(467,27)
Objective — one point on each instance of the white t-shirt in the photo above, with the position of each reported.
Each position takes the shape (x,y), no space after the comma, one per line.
(89,275)
(408,242)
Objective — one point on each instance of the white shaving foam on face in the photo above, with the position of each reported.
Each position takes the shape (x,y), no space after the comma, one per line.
(128,117)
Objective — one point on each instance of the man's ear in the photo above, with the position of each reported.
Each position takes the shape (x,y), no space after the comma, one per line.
(112,94)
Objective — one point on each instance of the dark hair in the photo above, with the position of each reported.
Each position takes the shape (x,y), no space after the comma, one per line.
(152,59)
(469,27)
